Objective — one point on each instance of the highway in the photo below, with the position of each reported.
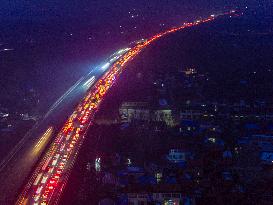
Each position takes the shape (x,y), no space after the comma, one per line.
(39,166)
(15,168)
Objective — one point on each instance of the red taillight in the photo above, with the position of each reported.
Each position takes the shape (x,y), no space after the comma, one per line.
(51,181)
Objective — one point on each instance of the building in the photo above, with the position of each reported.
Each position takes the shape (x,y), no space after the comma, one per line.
(160,198)
(178,156)
(142,111)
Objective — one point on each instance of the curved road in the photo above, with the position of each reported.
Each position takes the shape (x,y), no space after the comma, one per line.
(42,167)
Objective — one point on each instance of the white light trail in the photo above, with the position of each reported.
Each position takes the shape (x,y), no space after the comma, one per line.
(105,66)
(89,82)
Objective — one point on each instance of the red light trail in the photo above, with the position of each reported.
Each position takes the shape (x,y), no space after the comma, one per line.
(51,175)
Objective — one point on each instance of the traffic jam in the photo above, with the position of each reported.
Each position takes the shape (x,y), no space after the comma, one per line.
(51,174)
(54,169)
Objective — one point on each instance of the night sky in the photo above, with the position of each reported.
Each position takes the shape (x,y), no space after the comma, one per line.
(101,11)
(104,16)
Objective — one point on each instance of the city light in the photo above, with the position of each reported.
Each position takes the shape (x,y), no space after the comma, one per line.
(50,176)
(98,164)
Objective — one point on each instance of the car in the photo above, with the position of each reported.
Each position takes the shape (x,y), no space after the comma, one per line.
(62,147)
(61,165)
(52,181)
(44,179)
(46,193)
(36,197)
(59,171)
(39,189)
(57,176)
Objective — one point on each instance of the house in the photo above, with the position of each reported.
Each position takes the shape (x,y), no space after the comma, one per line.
(161,195)
(178,156)
(143,111)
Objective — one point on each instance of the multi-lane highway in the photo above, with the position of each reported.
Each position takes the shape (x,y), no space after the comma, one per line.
(15,168)
(42,161)
(51,174)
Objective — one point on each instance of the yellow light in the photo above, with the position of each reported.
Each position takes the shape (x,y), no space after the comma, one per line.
(47,133)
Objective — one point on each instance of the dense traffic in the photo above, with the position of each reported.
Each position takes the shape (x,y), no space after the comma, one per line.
(50,176)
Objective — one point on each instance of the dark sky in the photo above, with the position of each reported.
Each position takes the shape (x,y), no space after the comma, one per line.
(105,10)
(107,15)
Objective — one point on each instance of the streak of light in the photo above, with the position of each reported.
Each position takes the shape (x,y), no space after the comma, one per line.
(56,104)
(89,82)
(43,139)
